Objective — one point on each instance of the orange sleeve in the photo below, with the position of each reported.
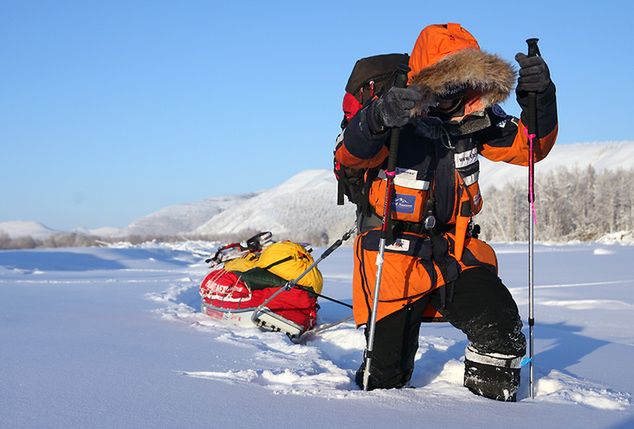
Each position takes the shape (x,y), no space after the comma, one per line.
(516,150)
(343,155)
(358,147)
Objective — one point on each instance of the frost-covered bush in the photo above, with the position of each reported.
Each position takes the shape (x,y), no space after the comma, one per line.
(571,204)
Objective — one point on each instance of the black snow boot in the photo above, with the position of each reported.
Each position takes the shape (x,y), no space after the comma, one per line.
(492,375)
(380,379)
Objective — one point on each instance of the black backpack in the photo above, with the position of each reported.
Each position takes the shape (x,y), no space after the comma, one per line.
(370,78)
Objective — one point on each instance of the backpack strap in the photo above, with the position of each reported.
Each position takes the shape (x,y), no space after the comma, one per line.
(462,224)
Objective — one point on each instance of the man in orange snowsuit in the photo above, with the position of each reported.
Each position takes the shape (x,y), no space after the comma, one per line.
(448,116)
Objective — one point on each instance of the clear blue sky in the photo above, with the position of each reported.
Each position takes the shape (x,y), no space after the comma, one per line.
(110,110)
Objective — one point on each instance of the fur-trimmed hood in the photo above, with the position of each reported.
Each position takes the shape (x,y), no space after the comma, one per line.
(447,56)
(488,76)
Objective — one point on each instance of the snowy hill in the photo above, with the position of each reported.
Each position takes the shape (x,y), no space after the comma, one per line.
(600,155)
(304,205)
(18,229)
(184,218)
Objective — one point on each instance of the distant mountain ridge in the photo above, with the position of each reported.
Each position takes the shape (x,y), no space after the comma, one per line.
(304,206)
(24,228)
(184,218)
(600,155)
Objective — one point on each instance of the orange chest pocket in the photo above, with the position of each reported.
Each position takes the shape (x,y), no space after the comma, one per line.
(408,202)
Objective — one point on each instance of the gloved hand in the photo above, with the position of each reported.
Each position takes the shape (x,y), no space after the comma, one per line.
(534,74)
(394,108)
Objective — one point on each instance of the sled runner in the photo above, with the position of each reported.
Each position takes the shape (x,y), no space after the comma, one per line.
(266,319)
(244,276)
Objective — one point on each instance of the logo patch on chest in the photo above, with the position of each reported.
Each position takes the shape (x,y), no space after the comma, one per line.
(403,203)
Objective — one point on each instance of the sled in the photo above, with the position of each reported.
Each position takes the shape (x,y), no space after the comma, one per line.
(245,281)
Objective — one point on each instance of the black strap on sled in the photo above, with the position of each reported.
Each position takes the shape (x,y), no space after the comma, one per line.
(281,261)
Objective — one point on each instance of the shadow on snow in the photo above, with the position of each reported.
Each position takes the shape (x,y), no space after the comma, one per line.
(55,261)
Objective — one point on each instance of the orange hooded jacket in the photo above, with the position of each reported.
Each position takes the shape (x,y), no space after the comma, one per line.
(443,56)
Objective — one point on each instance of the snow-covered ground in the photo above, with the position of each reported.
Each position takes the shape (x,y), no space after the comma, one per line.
(111,337)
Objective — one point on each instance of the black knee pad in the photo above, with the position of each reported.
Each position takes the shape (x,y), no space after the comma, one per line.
(492,375)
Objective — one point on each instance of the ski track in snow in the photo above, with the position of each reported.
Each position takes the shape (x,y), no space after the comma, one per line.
(573,285)
(325,365)
(589,304)
(562,388)
(602,252)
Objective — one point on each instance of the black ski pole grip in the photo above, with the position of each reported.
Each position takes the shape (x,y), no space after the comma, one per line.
(533,50)
(400,81)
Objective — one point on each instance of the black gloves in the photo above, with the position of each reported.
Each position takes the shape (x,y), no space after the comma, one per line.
(535,77)
(393,108)
(534,74)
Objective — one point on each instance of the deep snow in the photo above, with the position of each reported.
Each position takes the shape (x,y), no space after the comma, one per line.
(112,337)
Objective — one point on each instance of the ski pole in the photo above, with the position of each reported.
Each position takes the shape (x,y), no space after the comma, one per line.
(533,50)
(390,173)
(291,283)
